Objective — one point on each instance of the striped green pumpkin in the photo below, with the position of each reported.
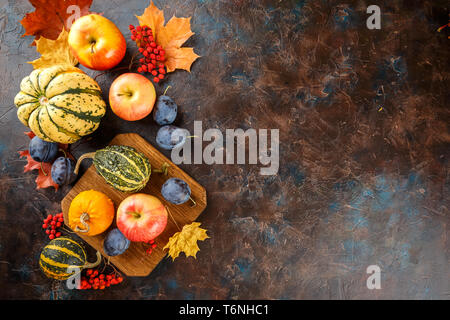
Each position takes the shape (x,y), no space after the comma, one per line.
(60,103)
(122,167)
(62,253)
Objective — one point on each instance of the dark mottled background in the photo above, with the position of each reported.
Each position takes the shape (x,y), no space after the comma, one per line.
(363,118)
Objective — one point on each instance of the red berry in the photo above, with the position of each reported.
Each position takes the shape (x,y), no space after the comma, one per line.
(154,72)
(141,50)
(119,279)
(153,61)
(150,67)
(162,58)
(44,226)
(52,223)
(159,47)
(61,220)
(58,224)
(139,28)
(161,76)
(58,234)
(140,70)
(131,27)
(53,232)
(102,276)
(47,231)
(133,38)
(155,79)
(49,217)
(162,52)
(155,51)
(51,237)
(162,71)
(151,39)
(153,44)
(144,67)
(145,53)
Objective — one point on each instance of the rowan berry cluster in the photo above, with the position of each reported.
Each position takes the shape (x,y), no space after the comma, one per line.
(153,54)
(51,224)
(93,279)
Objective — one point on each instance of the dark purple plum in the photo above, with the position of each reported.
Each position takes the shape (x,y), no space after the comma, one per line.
(165,110)
(62,171)
(115,243)
(169,137)
(176,191)
(42,151)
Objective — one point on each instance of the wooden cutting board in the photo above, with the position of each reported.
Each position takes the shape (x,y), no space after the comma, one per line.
(135,261)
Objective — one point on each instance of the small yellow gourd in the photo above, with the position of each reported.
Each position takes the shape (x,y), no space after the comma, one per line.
(91,212)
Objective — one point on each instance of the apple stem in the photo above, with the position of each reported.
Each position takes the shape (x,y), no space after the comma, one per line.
(84,156)
(129,94)
(134,214)
(92,47)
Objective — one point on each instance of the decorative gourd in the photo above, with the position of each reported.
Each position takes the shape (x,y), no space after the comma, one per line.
(91,212)
(60,103)
(123,167)
(62,253)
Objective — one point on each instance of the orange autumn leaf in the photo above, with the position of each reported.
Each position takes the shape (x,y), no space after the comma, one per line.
(171,37)
(50,17)
(54,52)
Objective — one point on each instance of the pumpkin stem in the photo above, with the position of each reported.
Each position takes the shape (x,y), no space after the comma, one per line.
(90,265)
(164,169)
(88,155)
(84,217)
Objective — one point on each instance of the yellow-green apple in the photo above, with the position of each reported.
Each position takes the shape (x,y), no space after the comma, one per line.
(141,217)
(132,96)
(96,42)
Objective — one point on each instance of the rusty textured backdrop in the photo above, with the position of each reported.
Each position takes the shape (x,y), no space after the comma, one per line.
(363,118)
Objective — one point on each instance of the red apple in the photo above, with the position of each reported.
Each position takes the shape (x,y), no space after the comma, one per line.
(132,96)
(96,42)
(141,217)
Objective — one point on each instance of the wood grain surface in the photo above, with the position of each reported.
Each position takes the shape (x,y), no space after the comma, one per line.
(135,261)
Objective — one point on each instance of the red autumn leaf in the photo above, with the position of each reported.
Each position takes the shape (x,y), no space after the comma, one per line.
(50,17)
(44,179)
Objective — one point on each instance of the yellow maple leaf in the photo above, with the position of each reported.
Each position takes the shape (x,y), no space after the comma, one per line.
(186,240)
(171,37)
(54,52)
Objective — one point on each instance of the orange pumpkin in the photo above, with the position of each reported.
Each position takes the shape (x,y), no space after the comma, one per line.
(91,212)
